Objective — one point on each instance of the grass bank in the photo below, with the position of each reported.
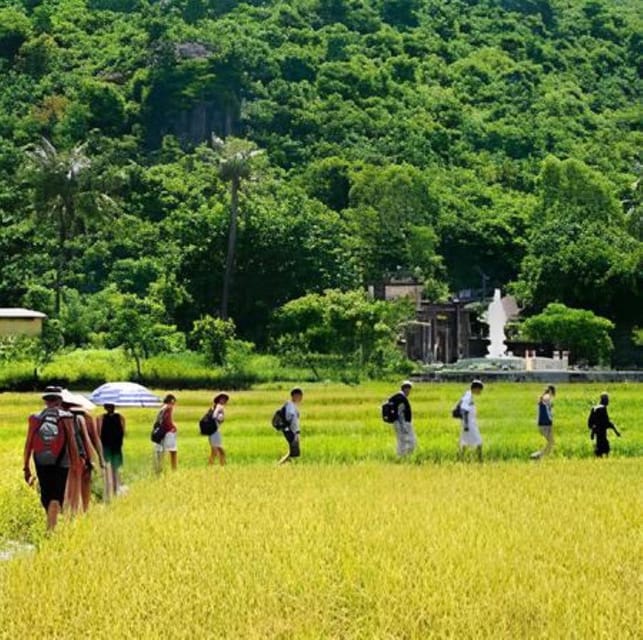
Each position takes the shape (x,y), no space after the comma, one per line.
(89,368)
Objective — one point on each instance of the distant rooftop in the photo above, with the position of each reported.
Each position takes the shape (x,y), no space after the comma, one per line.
(20,313)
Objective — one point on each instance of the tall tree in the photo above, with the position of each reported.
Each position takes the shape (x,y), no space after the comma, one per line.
(235,163)
(580,251)
(62,198)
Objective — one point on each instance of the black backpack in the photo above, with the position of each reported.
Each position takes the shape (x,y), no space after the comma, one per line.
(208,424)
(158,430)
(457,411)
(279,421)
(389,410)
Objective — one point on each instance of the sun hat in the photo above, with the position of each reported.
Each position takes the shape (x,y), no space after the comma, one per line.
(76,400)
(406,383)
(219,396)
(52,392)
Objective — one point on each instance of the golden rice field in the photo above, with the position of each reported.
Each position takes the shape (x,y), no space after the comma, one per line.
(345,543)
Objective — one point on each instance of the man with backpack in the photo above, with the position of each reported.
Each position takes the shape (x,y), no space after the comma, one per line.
(401,414)
(286,420)
(51,441)
(599,423)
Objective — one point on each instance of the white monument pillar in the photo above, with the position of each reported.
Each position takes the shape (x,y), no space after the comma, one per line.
(496,319)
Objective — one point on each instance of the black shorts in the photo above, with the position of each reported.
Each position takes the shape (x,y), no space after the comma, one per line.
(293,443)
(52,480)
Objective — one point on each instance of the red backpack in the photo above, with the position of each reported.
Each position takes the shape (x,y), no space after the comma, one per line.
(49,439)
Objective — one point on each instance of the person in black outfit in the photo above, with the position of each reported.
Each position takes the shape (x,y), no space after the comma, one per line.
(111,427)
(599,422)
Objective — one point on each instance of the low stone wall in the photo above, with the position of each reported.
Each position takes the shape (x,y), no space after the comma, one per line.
(530,376)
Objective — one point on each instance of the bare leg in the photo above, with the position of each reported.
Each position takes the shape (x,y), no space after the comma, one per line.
(550,442)
(116,480)
(86,488)
(221,454)
(108,490)
(285,459)
(158,461)
(174,458)
(52,514)
(213,453)
(107,484)
(72,490)
(479,450)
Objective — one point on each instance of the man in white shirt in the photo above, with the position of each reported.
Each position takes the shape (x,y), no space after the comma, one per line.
(470,434)
(292,430)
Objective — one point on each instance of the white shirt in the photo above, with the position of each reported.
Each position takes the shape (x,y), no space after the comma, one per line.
(468,408)
(292,416)
(218,414)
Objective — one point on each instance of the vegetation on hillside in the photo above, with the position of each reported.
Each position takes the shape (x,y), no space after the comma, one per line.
(199,158)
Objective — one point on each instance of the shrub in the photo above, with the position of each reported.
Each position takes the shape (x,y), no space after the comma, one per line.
(212,337)
(14,30)
(585,334)
(358,332)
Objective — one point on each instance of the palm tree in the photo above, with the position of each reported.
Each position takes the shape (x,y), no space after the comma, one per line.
(235,163)
(61,199)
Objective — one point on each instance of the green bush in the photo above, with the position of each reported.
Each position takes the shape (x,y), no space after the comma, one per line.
(345,333)
(14,30)
(586,335)
(213,336)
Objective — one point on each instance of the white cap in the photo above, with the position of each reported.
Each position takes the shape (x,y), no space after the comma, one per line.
(406,383)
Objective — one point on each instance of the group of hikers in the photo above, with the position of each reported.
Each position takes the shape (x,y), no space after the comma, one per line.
(397,410)
(63,438)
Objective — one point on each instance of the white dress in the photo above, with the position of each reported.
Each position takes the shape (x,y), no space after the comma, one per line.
(471,437)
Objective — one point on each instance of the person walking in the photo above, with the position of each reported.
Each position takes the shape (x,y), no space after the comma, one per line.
(111,429)
(470,432)
(599,423)
(216,441)
(403,425)
(292,428)
(168,444)
(79,482)
(545,421)
(52,443)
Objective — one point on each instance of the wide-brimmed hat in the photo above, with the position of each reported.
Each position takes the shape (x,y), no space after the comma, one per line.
(221,396)
(52,392)
(77,400)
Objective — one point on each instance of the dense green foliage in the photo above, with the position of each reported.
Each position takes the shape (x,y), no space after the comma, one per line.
(579,330)
(442,139)
(358,332)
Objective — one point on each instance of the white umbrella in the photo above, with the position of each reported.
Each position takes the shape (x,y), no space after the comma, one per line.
(77,400)
(124,394)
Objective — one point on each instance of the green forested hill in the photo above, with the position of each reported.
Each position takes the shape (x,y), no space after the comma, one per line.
(441,138)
